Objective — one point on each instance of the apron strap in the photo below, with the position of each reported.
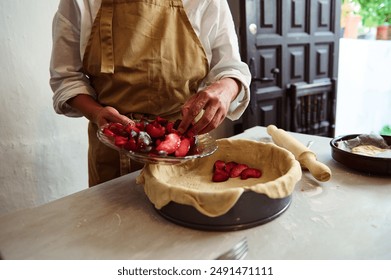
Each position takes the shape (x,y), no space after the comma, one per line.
(106,35)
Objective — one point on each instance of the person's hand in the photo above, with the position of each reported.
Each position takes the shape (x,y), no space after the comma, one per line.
(214,100)
(95,112)
(109,114)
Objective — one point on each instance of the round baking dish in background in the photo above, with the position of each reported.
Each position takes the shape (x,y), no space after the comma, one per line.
(366,164)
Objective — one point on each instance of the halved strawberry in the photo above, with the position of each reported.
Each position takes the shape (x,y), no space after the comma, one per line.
(132,130)
(170,144)
(184,148)
(170,127)
(219,165)
(155,130)
(237,169)
(194,149)
(250,173)
(141,125)
(157,142)
(118,129)
(108,132)
(120,141)
(229,165)
(162,121)
(220,175)
(131,145)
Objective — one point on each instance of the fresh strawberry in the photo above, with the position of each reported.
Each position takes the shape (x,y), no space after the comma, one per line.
(120,141)
(132,130)
(157,142)
(250,173)
(118,129)
(219,165)
(184,148)
(220,175)
(170,144)
(108,132)
(170,128)
(131,145)
(237,169)
(230,165)
(155,130)
(141,125)
(161,121)
(194,148)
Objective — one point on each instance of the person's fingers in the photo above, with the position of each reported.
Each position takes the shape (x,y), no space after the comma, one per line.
(215,105)
(190,111)
(110,114)
(207,119)
(217,119)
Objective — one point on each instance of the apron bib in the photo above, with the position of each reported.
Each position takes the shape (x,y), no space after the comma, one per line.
(142,57)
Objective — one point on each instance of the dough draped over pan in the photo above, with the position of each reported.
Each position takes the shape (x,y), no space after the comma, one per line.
(190,183)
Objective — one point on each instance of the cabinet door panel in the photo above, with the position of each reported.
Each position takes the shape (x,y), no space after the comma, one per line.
(286,42)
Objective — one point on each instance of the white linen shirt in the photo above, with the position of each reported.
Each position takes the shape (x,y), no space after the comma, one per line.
(211,20)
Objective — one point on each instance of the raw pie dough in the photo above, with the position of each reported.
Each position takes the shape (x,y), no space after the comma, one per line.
(190,183)
(367,150)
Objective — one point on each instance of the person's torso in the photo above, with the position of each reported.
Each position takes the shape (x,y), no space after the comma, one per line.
(144,56)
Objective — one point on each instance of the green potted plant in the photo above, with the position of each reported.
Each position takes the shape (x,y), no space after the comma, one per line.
(375,14)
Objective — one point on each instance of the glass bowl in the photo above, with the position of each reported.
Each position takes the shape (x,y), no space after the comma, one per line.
(205,145)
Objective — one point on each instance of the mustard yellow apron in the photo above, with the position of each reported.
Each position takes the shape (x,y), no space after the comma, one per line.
(142,57)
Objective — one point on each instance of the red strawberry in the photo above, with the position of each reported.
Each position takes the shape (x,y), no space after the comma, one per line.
(132,130)
(155,130)
(237,169)
(220,175)
(157,142)
(184,148)
(170,127)
(120,141)
(219,165)
(141,125)
(118,129)
(250,173)
(194,149)
(161,121)
(230,165)
(170,144)
(131,145)
(108,132)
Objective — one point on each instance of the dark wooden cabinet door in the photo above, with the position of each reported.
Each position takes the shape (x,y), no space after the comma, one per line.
(286,42)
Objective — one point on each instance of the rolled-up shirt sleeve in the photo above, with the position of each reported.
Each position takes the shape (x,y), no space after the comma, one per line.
(223,48)
(66,77)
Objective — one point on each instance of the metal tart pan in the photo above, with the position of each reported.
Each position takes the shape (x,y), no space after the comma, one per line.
(252,209)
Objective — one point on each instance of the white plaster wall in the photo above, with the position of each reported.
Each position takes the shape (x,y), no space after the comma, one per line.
(364,86)
(42,155)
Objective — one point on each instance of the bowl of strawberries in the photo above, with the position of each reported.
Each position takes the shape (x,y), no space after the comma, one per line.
(156,141)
